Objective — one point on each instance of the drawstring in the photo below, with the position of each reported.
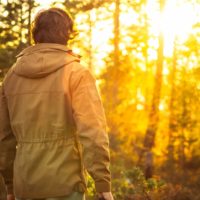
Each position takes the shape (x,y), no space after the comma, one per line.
(79,149)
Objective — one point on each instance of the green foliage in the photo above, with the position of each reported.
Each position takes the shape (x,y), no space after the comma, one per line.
(90,188)
(174,192)
(15,29)
(131,184)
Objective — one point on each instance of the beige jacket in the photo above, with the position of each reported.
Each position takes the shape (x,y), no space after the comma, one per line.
(50,103)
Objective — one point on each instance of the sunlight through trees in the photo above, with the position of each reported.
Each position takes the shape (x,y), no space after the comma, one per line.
(145,56)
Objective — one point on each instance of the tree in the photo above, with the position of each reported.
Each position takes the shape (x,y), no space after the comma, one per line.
(172,126)
(15,33)
(149,140)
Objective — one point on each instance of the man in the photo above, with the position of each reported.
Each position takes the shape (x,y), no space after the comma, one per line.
(50,104)
(2,189)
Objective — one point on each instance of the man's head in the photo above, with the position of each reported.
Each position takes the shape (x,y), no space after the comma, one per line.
(52,26)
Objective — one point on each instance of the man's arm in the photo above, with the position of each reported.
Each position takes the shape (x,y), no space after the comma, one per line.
(7,144)
(2,189)
(91,126)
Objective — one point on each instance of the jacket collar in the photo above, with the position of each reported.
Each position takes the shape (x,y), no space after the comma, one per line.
(41,46)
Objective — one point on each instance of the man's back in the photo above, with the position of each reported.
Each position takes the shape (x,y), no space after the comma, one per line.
(41,118)
(50,103)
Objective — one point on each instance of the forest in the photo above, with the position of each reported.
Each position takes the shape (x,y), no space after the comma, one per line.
(145,56)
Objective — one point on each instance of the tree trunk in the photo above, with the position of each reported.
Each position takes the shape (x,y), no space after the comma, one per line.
(172,122)
(184,119)
(116,33)
(149,139)
(146,58)
(116,55)
(21,23)
(30,5)
(90,50)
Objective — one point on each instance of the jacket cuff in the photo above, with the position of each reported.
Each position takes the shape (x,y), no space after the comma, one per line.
(9,188)
(102,186)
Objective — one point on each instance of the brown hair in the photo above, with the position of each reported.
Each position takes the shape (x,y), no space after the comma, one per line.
(53,25)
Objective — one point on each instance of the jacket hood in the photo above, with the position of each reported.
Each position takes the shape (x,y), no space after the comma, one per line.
(43,59)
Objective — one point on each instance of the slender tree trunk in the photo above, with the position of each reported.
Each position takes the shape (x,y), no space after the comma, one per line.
(30,5)
(149,139)
(21,23)
(172,122)
(116,33)
(184,119)
(146,57)
(90,42)
(116,61)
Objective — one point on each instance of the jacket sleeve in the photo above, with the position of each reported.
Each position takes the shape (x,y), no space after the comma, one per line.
(7,144)
(2,189)
(90,121)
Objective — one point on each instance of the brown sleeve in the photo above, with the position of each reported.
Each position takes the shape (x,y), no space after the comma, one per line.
(2,189)
(7,144)
(90,120)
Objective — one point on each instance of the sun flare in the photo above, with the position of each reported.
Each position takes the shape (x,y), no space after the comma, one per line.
(175,21)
